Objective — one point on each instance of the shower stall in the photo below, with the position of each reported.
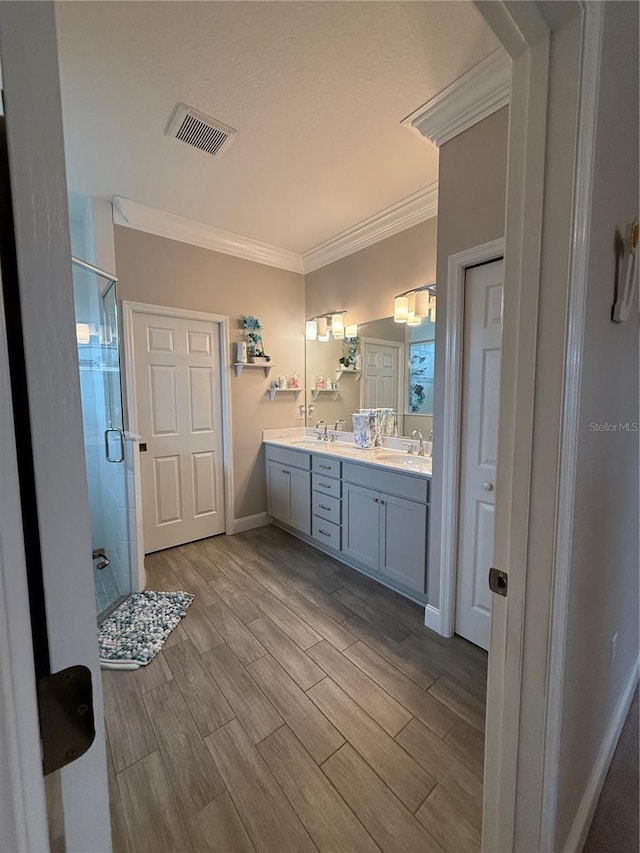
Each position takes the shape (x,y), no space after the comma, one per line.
(108,450)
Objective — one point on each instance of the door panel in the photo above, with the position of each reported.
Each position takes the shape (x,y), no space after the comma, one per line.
(278,494)
(478,451)
(178,389)
(361,509)
(204,483)
(403,549)
(300,500)
(380,375)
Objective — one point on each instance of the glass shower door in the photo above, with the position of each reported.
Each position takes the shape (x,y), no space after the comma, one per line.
(110,484)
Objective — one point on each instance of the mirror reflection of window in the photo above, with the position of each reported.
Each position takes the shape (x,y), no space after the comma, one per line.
(421,368)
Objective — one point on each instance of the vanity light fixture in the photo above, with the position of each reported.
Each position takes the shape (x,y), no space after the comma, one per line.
(323,330)
(412,306)
(311,330)
(83,333)
(351,331)
(400,309)
(337,326)
(432,307)
(421,303)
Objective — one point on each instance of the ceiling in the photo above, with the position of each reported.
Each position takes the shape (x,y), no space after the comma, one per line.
(317,91)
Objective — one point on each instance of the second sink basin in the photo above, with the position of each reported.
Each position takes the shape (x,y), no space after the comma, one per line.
(405,460)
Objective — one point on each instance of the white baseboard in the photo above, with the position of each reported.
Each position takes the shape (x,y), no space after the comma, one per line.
(249,522)
(584,815)
(433,618)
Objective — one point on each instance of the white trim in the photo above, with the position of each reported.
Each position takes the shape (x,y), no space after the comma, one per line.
(399,216)
(451,423)
(474,96)
(250,522)
(23,812)
(131,400)
(586,810)
(132,214)
(433,618)
(521,25)
(410,211)
(576,309)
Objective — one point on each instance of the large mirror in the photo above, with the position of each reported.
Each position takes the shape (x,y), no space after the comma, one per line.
(388,365)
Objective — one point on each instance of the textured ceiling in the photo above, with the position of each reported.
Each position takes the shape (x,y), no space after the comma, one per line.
(316,90)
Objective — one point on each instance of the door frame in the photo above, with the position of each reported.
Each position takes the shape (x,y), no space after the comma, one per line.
(401,361)
(451,425)
(130,308)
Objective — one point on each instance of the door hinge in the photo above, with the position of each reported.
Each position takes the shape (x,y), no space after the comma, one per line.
(498,582)
(67,729)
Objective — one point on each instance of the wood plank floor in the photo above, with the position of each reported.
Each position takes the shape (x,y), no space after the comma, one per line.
(298,706)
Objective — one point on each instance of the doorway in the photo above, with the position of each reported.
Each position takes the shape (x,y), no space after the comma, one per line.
(478,449)
(177,398)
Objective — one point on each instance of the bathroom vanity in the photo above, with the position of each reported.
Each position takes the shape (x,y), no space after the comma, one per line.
(367,508)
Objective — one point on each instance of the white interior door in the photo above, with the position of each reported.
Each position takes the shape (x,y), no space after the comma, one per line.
(479,448)
(380,387)
(179,406)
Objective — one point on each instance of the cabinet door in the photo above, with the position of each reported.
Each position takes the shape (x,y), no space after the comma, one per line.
(403,546)
(361,525)
(300,500)
(278,491)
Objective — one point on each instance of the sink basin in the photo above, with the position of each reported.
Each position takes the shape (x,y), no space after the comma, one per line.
(309,442)
(405,460)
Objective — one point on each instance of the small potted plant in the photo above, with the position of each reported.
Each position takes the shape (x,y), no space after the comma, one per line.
(350,354)
(252,329)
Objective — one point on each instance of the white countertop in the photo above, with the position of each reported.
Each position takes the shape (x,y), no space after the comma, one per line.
(392,456)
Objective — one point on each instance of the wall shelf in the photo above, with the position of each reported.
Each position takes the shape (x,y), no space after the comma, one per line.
(356,373)
(335,392)
(239,365)
(273,391)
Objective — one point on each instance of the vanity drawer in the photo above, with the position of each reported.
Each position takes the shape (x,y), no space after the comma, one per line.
(325,465)
(382,480)
(326,507)
(326,532)
(284,456)
(326,486)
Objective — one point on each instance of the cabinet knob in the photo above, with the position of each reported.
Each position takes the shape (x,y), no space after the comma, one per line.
(487,486)
(377,500)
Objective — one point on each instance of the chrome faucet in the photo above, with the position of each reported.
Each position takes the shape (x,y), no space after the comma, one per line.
(320,435)
(418,433)
(335,429)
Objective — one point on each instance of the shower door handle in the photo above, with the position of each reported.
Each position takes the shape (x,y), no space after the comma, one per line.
(120,434)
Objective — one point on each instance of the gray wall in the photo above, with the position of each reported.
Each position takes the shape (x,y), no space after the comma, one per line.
(165,272)
(471,210)
(365,282)
(603,595)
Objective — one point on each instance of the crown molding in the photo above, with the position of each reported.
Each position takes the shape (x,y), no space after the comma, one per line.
(478,93)
(397,217)
(132,214)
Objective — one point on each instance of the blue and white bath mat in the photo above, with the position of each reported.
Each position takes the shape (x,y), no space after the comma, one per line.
(135,632)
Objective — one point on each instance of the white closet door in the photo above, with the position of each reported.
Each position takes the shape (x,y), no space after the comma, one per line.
(178,388)
(480,397)
(380,374)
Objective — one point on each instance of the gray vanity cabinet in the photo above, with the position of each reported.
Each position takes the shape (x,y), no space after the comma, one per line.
(369,517)
(289,488)
(384,532)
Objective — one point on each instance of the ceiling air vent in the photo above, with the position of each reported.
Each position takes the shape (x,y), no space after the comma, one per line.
(203,132)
